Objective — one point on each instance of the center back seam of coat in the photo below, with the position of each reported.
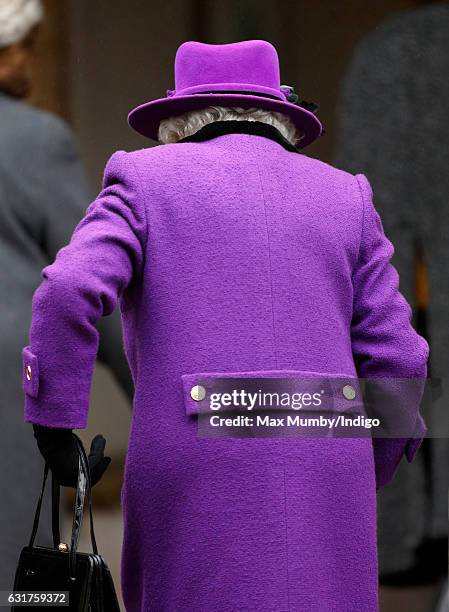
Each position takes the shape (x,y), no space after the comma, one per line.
(273,324)
(277,366)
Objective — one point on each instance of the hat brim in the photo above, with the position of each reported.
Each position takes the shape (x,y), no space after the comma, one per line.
(145,118)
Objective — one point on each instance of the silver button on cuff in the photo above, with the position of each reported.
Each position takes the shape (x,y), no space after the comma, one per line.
(349,392)
(198,393)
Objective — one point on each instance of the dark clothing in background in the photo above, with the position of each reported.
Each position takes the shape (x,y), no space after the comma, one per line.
(43,195)
(394,117)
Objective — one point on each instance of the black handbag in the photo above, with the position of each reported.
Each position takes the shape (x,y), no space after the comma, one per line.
(85,577)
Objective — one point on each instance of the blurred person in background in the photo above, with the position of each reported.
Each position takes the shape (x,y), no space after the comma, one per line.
(43,195)
(394,117)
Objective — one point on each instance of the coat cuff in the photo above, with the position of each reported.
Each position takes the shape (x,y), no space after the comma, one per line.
(30,372)
(412,448)
(388,452)
(415,442)
(42,410)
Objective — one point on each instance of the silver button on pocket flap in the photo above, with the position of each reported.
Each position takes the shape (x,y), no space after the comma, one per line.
(349,392)
(198,393)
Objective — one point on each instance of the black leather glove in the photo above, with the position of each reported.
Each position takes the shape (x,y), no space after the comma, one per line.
(58,448)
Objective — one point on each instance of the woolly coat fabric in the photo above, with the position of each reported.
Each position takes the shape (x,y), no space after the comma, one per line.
(231,254)
(398,72)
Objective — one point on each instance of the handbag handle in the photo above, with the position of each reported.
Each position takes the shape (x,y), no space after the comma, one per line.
(55,499)
(55,511)
(83,487)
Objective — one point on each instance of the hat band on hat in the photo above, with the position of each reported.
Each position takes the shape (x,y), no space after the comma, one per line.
(239,91)
(230,88)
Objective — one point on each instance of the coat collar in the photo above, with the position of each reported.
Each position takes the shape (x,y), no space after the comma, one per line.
(217,128)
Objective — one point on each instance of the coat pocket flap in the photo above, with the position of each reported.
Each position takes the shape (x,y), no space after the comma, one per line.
(296,390)
(30,372)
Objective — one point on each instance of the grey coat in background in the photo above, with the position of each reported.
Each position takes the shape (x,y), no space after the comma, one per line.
(394,118)
(43,195)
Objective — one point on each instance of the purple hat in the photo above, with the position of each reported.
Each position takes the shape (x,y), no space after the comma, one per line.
(244,74)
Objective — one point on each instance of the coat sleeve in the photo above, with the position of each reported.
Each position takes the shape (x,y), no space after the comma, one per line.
(384,342)
(102,261)
(65,193)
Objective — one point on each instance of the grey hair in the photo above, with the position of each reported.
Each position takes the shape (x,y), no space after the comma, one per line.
(175,128)
(17,19)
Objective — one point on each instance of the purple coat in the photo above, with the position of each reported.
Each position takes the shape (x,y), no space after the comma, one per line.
(230,254)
